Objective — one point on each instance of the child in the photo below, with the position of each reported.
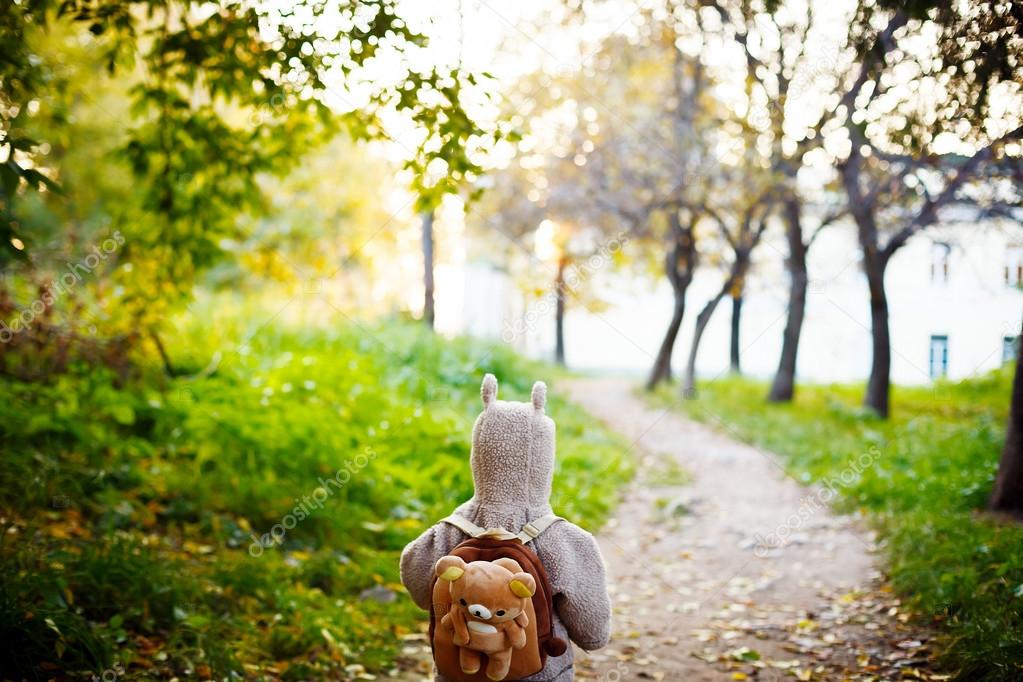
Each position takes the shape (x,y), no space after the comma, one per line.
(512,467)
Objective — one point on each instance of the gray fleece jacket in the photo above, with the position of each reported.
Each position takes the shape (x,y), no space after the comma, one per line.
(512,464)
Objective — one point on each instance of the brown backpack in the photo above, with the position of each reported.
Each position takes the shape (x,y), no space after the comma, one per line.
(498,648)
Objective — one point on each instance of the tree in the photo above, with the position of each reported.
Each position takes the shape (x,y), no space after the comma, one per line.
(741,222)
(515,215)
(689,114)
(641,165)
(565,248)
(427,230)
(680,261)
(896,175)
(984,41)
(781,71)
(582,181)
(864,75)
(556,240)
(783,385)
(1007,495)
(219,98)
(734,359)
(448,159)
(559,314)
(877,200)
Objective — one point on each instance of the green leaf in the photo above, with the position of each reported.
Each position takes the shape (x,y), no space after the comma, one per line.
(122,413)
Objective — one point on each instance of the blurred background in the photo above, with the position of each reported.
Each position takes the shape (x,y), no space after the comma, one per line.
(248,247)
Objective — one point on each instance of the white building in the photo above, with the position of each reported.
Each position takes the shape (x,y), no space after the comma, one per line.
(953,297)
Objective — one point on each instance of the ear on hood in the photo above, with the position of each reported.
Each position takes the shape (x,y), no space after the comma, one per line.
(488,391)
(539,395)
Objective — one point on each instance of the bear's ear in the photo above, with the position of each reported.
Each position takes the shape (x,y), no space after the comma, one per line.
(510,564)
(488,391)
(539,395)
(523,585)
(450,568)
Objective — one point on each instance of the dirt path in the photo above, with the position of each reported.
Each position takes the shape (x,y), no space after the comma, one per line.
(737,573)
(722,568)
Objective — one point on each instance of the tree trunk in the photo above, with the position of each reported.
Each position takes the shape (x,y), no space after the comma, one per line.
(428,308)
(679,264)
(1007,495)
(1008,491)
(734,282)
(875,260)
(559,313)
(784,385)
(689,378)
(879,382)
(662,364)
(733,355)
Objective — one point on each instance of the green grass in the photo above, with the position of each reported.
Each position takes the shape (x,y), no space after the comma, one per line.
(929,471)
(129,512)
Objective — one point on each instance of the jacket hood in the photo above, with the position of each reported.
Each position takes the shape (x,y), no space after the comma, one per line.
(513,450)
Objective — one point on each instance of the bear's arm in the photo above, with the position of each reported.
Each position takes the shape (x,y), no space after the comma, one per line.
(419,558)
(460,627)
(576,572)
(516,634)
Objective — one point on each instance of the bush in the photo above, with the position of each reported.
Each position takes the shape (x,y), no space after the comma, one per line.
(138,519)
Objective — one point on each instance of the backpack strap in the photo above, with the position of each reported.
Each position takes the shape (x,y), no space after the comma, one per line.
(472,530)
(463,524)
(534,528)
(530,531)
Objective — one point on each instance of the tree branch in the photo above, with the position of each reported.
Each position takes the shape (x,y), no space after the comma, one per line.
(884,44)
(742,38)
(929,211)
(828,220)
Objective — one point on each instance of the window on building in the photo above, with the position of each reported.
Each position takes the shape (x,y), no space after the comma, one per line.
(1009,344)
(1014,265)
(939,356)
(940,256)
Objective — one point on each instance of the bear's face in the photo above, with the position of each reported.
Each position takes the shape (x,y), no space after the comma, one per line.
(490,592)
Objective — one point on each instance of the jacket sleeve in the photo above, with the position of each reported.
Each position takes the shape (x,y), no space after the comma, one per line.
(576,570)
(417,562)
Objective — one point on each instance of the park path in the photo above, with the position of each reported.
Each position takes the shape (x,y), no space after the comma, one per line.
(700,594)
(737,572)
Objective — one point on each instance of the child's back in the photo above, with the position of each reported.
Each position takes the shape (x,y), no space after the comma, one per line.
(512,466)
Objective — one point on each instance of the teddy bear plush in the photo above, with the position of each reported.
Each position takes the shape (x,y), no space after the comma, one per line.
(512,463)
(488,611)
